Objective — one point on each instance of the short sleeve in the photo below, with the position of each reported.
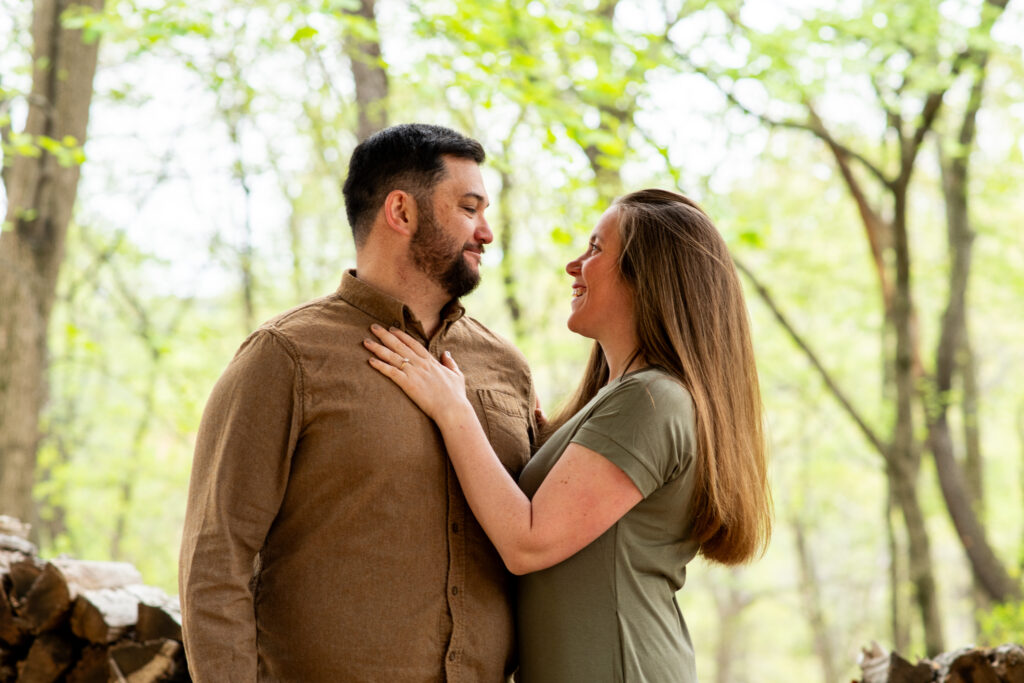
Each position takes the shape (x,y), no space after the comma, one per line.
(645,426)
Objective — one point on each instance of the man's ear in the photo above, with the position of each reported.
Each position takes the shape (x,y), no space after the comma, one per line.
(400,212)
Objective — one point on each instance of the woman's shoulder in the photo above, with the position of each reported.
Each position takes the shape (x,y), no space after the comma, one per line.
(657,384)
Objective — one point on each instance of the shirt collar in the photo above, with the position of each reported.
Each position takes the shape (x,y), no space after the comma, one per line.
(388,310)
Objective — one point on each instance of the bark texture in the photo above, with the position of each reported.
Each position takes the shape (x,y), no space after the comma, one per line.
(41,195)
(368,72)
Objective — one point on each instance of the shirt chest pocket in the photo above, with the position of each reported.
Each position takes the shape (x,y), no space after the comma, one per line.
(505,421)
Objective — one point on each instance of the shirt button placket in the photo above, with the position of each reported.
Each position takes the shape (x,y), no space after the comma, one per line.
(456,577)
(456,567)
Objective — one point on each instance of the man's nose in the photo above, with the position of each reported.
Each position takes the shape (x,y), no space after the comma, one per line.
(483,233)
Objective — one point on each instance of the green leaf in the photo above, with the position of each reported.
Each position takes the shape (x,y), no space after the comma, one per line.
(752,238)
(560,236)
(303,34)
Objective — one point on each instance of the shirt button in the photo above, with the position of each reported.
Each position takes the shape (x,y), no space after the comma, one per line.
(455,527)
(451,656)
(455,590)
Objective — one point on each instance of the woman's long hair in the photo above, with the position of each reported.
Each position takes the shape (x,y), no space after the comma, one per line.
(692,321)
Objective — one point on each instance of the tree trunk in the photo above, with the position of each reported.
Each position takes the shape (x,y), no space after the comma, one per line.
(508,271)
(41,194)
(973,462)
(130,477)
(919,546)
(905,453)
(988,570)
(730,602)
(901,355)
(898,619)
(371,80)
(615,121)
(234,113)
(810,589)
(1020,481)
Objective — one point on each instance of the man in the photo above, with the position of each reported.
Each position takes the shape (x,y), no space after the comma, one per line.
(326,538)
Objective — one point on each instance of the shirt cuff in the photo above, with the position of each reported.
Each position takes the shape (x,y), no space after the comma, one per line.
(646,480)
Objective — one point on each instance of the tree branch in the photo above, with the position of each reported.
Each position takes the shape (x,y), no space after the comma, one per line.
(874,226)
(818,131)
(929,113)
(830,383)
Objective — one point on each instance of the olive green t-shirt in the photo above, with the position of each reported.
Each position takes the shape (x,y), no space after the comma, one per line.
(608,613)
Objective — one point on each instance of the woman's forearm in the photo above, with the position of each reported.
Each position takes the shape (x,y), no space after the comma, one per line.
(581,497)
(503,510)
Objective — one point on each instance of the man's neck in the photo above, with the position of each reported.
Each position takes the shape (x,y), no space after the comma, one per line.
(407,284)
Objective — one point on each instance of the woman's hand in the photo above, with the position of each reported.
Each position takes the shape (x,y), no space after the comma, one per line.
(540,417)
(438,388)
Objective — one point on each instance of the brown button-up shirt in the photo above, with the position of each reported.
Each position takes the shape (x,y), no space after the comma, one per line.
(326,537)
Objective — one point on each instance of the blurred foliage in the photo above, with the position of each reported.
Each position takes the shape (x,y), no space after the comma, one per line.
(1003,624)
(218,143)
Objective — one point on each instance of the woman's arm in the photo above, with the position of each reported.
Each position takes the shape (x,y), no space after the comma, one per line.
(583,495)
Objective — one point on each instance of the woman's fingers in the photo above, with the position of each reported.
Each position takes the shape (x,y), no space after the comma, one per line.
(387,355)
(400,350)
(434,385)
(391,341)
(410,342)
(400,342)
(388,370)
(449,362)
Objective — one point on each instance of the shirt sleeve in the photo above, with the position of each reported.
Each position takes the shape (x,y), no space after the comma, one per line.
(646,428)
(240,471)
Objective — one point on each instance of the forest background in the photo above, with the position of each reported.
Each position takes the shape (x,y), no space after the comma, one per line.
(171,178)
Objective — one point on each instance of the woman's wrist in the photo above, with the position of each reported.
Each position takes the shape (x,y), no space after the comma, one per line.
(456,414)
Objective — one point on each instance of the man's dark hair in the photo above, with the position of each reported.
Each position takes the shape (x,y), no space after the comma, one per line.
(405,157)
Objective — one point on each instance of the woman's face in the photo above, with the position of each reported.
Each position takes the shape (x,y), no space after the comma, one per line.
(601,301)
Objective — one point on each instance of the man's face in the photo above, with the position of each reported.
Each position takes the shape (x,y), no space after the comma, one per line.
(451,230)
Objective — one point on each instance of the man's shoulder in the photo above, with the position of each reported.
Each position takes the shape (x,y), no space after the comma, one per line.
(296,331)
(307,312)
(310,319)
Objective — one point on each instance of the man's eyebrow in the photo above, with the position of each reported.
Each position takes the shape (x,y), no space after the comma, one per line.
(474,195)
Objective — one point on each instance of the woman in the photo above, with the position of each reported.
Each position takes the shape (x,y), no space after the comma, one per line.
(660,454)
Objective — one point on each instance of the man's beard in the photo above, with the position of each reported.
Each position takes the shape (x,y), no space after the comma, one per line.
(439,257)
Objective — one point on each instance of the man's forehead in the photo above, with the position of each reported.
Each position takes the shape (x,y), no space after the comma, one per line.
(463,179)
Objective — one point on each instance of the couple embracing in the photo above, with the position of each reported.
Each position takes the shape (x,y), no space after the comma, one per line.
(372,468)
